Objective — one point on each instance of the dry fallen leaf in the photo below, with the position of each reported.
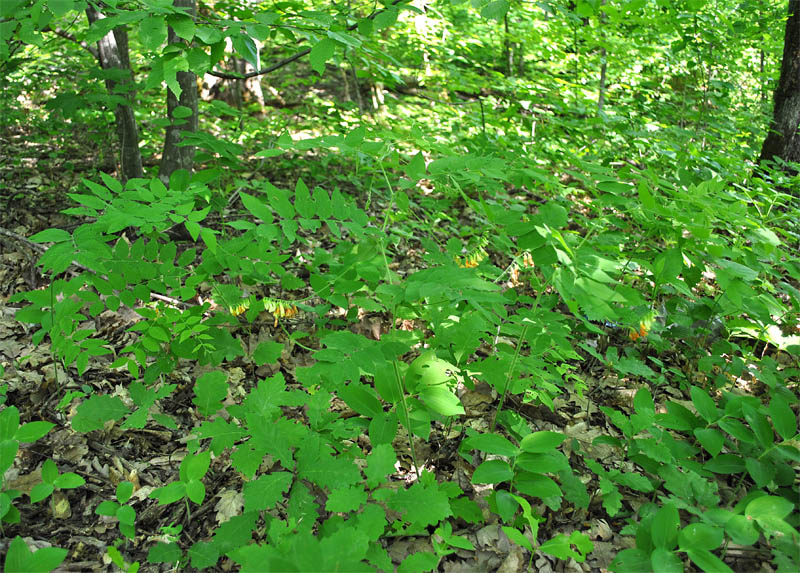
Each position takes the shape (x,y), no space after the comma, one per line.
(230,504)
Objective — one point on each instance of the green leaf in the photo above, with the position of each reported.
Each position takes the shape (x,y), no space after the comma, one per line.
(107,507)
(421,561)
(704,404)
(32,431)
(383,428)
(707,561)
(346,499)
(741,530)
(496,10)
(256,207)
(247,49)
(361,398)
(203,555)
(541,441)
(41,491)
(20,559)
(195,491)
(164,553)
(762,471)
(516,536)
(51,236)
(210,390)
(169,493)
(235,532)
(664,528)
(783,418)
(60,7)
(543,463)
(491,444)
(321,53)
(124,491)
(536,485)
(442,400)
(267,352)
(712,440)
(759,424)
(266,491)
(153,32)
(492,471)
(700,536)
(96,411)
(768,506)
(69,480)
(182,25)
(421,505)
(632,561)
(195,466)
(666,561)
(725,464)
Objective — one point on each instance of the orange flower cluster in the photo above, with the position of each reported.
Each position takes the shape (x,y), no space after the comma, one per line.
(637,334)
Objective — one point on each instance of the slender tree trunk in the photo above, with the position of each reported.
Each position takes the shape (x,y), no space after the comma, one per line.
(783,139)
(508,54)
(176,156)
(112,52)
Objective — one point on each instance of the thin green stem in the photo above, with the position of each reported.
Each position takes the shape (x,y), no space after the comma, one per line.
(406,417)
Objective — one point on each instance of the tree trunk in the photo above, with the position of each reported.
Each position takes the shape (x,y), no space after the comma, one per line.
(176,156)
(783,139)
(112,52)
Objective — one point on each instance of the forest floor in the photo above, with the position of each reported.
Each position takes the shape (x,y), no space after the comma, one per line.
(32,197)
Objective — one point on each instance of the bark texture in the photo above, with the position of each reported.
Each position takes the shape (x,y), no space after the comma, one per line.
(112,52)
(176,156)
(783,139)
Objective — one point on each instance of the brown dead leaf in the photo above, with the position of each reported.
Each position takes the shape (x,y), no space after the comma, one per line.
(230,504)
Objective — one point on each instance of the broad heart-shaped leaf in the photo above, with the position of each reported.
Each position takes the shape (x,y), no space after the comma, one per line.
(428,370)
(491,444)
(496,9)
(321,53)
(492,471)
(20,558)
(538,442)
(153,32)
(442,401)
